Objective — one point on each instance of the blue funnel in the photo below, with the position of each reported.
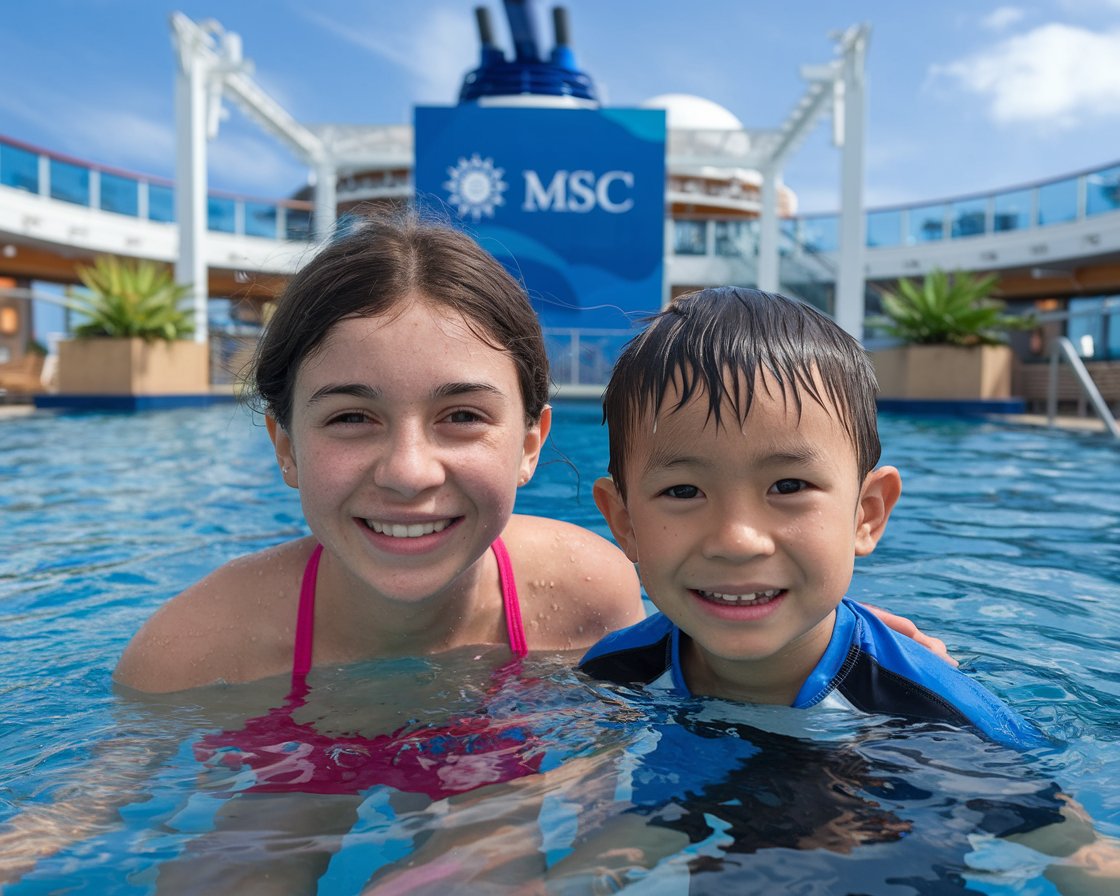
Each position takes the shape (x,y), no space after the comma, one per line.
(529,73)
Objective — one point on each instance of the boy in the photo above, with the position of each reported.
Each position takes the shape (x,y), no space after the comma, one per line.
(743,445)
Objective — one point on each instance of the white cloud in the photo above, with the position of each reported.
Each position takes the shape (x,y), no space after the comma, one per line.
(1057,75)
(114,132)
(1002,18)
(436,53)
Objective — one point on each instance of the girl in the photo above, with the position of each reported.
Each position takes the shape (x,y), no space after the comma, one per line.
(405,386)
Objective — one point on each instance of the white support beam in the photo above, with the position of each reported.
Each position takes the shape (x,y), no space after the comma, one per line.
(850,279)
(210,66)
(190,174)
(768,257)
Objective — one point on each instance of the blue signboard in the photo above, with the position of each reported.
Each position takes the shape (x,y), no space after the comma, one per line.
(572,201)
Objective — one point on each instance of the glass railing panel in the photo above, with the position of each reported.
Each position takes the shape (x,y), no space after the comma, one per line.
(19,168)
(1012,210)
(690,237)
(1102,191)
(120,194)
(884,228)
(1086,328)
(1057,202)
(161,203)
(69,182)
(260,219)
(820,233)
(734,239)
(297,224)
(927,224)
(969,217)
(221,214)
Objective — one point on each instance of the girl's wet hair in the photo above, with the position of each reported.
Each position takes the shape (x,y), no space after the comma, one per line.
(368,272)
(714,343)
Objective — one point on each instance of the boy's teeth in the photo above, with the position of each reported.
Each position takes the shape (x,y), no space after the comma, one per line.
(754,597)
(413,530)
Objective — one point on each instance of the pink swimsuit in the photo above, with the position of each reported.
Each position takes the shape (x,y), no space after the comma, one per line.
(466,753)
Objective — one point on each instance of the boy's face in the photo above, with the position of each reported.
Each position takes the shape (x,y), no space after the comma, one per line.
(746,536)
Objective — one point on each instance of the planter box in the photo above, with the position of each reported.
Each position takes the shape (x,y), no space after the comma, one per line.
(944,372)
(133,367)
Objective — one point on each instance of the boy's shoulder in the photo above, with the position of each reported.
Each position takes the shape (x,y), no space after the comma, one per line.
(872,669)
(638,654)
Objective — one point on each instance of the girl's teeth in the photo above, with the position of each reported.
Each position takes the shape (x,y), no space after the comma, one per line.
(413,530)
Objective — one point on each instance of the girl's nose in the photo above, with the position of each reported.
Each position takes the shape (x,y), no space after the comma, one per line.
(410,463)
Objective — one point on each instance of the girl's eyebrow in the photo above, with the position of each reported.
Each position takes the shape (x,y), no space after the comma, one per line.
(370,393)
(357,390)
(451,389)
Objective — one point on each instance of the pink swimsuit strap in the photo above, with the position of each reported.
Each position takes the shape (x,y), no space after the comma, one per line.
(305,615)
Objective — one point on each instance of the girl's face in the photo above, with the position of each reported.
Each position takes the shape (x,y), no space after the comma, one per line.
(408,442)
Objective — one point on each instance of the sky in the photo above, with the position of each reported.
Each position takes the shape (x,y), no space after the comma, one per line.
(963,95)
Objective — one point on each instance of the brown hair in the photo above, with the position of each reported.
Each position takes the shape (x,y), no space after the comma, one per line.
(371,269)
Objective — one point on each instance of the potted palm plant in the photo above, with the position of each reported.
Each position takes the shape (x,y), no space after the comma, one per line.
(954,335)
(133,337)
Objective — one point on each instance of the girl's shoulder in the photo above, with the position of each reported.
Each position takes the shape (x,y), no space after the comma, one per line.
(574,585)
(236,624)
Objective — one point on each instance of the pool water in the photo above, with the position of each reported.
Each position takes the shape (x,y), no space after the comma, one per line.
(1006,544)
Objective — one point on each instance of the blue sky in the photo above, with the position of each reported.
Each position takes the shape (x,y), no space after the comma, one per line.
(964,96)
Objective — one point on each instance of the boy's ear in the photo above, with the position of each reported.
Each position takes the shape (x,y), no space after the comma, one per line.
(535,438)
(613,508)
(881,488)
(285,456)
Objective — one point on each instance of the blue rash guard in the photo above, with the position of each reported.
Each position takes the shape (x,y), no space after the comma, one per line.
(867,668)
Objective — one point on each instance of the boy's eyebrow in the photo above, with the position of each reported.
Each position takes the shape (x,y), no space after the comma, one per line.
(370,393)
(666,457)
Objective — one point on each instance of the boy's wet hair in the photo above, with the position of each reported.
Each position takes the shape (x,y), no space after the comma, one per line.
(367,273)
(714,343)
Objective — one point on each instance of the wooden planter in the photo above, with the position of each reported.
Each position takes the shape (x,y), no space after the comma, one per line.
(944,372)
(133,367)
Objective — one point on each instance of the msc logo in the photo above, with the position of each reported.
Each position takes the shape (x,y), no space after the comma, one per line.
(476,186)
(579,191)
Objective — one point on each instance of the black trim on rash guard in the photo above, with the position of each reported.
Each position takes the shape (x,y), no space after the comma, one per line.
(640,664)
(872,688)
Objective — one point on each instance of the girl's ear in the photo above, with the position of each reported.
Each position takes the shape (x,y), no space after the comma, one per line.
(613,508)
(535,438)
(881,488)
(285,456)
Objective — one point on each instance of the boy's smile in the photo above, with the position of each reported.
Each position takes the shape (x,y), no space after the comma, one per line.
(744,535)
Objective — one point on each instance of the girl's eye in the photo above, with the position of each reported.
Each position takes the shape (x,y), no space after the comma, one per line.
(463,416)
(349,417)
(789,486)
(681,492)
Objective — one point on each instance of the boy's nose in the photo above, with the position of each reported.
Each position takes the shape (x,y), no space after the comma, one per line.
(410,463)
(737,537)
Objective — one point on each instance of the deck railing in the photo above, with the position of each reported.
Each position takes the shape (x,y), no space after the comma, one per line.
(61,177)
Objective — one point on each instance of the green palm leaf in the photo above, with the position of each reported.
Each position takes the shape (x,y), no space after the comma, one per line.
(130,298)
(947,309)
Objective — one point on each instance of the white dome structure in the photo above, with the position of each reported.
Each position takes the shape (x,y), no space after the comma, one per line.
(686,112)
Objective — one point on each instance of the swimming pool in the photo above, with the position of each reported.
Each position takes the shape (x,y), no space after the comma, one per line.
(1006,543)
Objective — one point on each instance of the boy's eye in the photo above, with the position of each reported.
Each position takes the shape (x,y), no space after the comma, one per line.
(681,492)
(789,486)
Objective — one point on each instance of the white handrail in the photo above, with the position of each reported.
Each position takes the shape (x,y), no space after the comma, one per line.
(1062,346)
